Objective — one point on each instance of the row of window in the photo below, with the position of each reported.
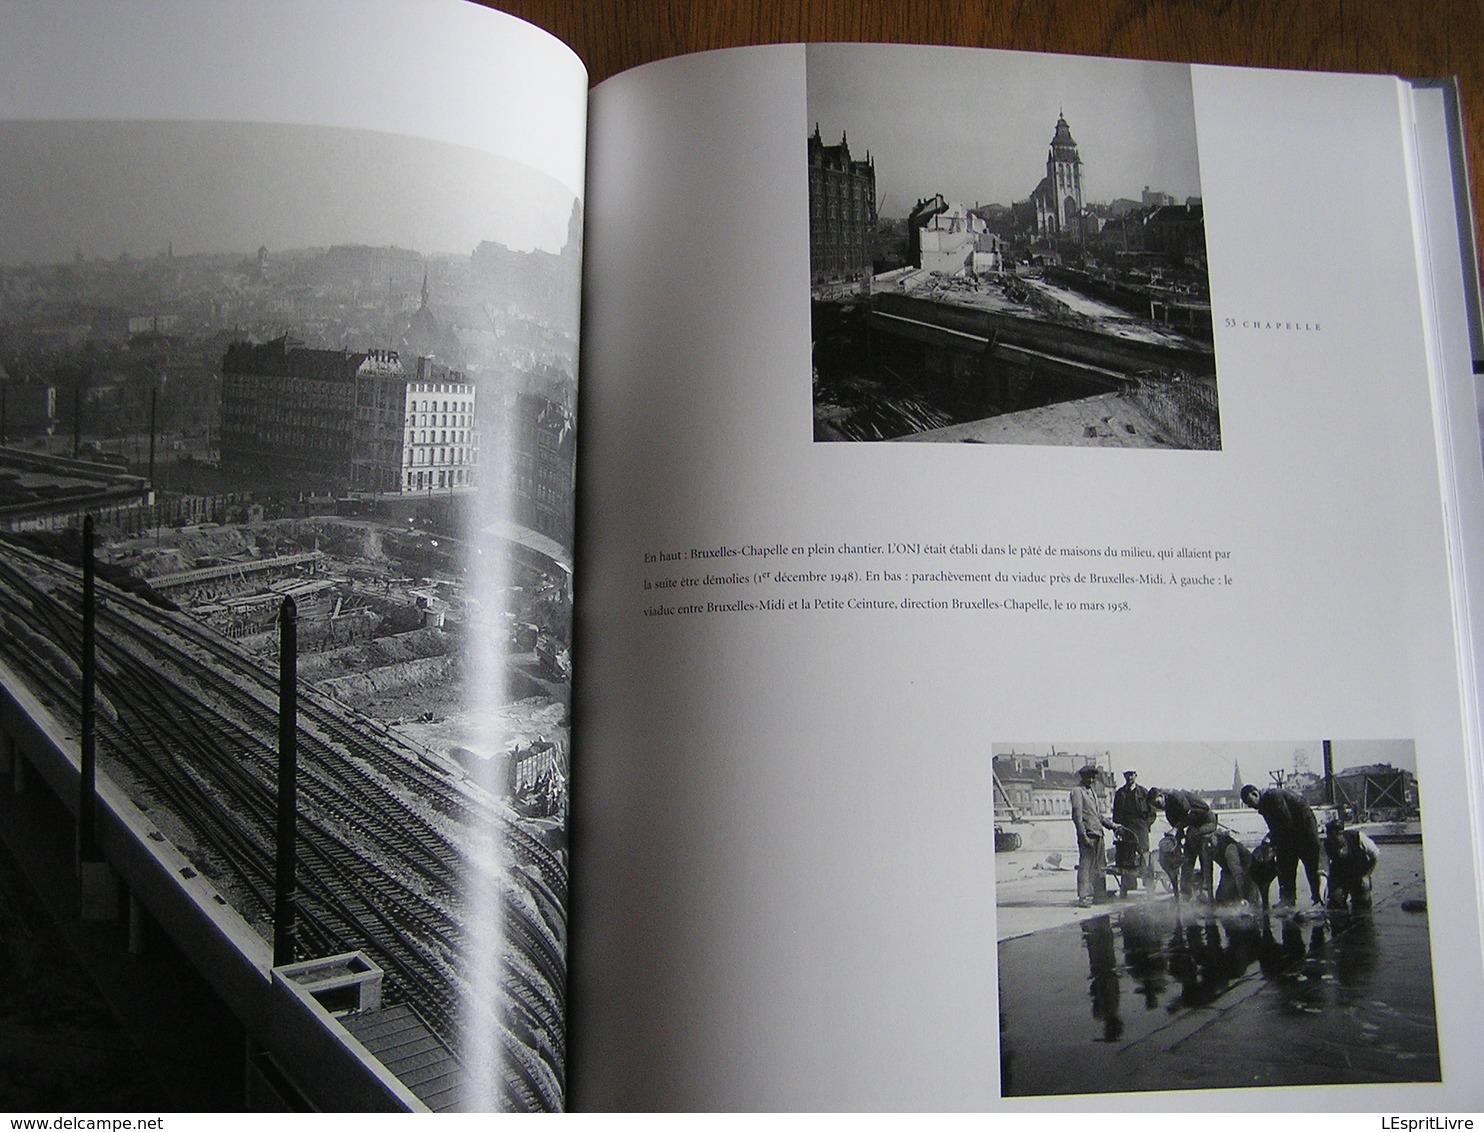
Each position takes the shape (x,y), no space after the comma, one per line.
(460,420)
(320,417)
(440,406)
(443,456)
(421,481)
(858,215)
(842,193)
(460,436)
(319,441)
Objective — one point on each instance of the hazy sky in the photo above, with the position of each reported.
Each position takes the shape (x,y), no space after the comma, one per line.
(975,125)
(110,187)
(1208,766)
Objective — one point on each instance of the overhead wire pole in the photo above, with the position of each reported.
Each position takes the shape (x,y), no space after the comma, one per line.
(288,759)
(87,827)
(154,395)
(97,886)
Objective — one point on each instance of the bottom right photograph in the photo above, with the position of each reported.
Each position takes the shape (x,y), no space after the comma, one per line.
(1206,915)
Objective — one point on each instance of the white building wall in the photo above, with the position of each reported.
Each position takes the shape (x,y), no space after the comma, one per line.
(441,449)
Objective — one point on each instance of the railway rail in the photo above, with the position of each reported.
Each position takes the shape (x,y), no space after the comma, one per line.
(389,846)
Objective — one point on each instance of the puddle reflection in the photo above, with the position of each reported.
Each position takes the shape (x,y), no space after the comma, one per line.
(1151,997)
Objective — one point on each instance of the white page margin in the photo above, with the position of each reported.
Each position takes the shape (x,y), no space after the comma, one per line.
(744,812)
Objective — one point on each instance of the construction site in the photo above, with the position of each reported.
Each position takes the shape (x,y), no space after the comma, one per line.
(384,617)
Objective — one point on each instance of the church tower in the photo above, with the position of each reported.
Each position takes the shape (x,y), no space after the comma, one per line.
(1059,203)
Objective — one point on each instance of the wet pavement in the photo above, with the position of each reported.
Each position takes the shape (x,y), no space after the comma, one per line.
(1139,995)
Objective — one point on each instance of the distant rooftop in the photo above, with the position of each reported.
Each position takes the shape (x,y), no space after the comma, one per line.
(34,484)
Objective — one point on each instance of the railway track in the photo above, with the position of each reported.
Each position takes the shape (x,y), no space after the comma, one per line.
(388,845)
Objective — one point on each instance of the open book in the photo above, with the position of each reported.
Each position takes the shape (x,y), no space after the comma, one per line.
(963,434)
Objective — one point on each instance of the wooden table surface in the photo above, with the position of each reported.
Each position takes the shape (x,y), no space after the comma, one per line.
(1405,37)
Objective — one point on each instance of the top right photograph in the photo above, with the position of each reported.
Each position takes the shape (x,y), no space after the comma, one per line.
(1025,266)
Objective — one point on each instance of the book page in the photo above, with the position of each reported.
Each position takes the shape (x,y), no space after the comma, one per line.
(289,307)
(965,431)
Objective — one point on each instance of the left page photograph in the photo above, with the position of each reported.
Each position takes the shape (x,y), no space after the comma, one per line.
(289,307)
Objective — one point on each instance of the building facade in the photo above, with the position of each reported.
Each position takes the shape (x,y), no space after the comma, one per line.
(842,216)
(441,444)
(359,420)
(1177,231)
(27,408)
(1042,787)
(543,450)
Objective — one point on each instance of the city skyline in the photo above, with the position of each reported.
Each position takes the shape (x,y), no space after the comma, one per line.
(1208,765)
(1134,125)
(105,189)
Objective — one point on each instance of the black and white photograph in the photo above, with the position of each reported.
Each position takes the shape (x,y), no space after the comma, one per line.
(1210,915)
(1024,265)
(286,476)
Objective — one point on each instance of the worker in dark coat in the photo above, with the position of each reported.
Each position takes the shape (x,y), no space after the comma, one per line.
(1263,870)
(1191,818)
(1352,859)
(1294,832)
(1132,811)
(1235,859)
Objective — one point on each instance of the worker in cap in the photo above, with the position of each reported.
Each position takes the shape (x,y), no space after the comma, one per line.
(1352,859)
(1190,817)
(1092,858)
(1132,811)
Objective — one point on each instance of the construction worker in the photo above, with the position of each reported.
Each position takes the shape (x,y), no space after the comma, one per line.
(1092,858)
(1190,817)
(1171,862)
(1235,859)
(1352,859)
(1132,811)
(1295,835)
